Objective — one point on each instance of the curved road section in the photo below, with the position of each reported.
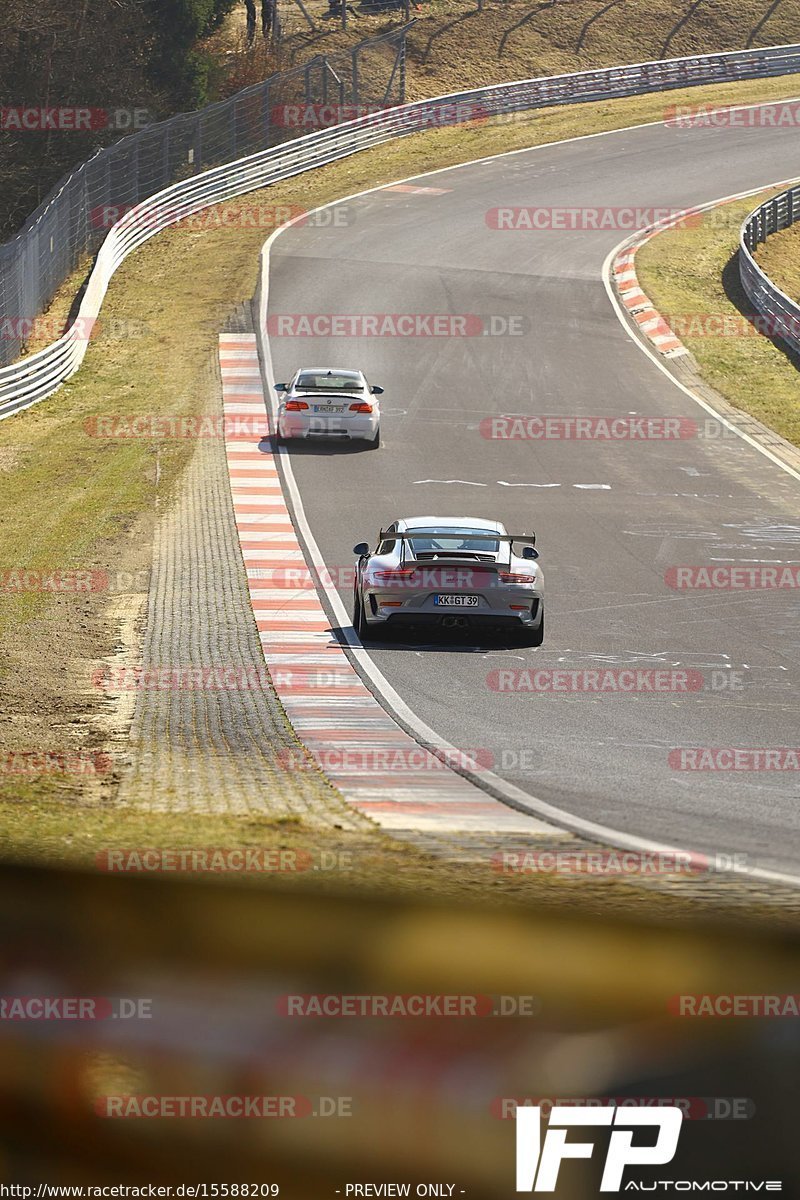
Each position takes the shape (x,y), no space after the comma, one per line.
(664,701)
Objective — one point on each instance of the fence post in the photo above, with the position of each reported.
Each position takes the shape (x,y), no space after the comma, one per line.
(135,166)
(165,171)
(107,201)
(266,115)
(164,157)
(197,149)
(402,81)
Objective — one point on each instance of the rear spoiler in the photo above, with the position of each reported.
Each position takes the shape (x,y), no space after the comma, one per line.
(331,395)
(386,535)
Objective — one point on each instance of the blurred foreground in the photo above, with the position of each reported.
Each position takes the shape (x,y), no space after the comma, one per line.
(130,1004)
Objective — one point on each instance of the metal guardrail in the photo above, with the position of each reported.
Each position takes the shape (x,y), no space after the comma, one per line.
(26,382)
(781,314)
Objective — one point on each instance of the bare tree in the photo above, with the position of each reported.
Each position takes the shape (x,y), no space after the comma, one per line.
(250,5)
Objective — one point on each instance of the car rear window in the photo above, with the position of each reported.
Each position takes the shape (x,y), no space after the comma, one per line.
(323,382)
(450,542)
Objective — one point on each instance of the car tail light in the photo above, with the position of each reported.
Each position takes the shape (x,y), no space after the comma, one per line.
(513,577)
(393,574)
(362,408)
(296,405)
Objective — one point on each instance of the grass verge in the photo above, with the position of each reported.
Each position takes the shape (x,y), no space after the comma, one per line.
(780,258)
(55,834)
(70,500)
(693,273)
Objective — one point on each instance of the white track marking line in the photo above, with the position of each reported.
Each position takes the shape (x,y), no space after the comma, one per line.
(329,705)
(646,349)
(490,782)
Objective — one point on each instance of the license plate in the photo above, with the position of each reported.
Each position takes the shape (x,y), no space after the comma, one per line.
(457,601)
(328,408)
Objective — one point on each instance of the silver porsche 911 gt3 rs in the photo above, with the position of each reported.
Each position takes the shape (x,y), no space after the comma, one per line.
(449,572)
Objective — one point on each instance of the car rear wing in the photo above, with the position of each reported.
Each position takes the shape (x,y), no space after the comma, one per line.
(387,535)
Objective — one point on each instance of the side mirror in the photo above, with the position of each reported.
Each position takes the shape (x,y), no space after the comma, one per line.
(529,552)
(376,391)
(361,549)
(281,387)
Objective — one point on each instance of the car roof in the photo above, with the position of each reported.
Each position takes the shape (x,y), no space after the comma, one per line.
(455,523)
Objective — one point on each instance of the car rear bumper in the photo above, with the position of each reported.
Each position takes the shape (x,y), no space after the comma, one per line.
(460,618)
(329,429)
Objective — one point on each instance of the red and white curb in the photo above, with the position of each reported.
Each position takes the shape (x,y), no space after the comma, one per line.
(637,304)
(376,765)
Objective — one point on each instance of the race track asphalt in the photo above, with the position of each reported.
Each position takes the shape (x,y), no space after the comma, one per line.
(611,517)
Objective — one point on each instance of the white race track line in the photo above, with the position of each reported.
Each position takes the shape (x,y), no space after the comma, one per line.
(378,766)
(646,347)
(509,793)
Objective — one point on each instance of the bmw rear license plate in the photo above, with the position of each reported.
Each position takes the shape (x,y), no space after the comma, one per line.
(457,601)
(328,408)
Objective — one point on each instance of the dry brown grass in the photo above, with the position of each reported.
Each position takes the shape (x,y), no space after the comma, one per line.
(780,258)
(693,271)
(453,46)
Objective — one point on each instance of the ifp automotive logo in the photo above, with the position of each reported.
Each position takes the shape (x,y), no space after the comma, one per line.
(538,1165)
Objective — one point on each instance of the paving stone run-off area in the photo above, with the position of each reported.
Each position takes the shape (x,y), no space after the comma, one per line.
(205,746)
(377,766)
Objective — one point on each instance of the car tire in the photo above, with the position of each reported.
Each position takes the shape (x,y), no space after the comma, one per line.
(360,622)
(533,637)
(376,441)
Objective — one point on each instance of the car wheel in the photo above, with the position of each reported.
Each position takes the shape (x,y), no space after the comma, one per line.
(359,620)
(533,637)
(376,441)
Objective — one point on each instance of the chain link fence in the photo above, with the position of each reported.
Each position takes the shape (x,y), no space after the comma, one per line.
(296,19)
(248,120)
(73,220)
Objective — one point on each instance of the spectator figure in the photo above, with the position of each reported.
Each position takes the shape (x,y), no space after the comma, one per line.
(267,17)
(335,8)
